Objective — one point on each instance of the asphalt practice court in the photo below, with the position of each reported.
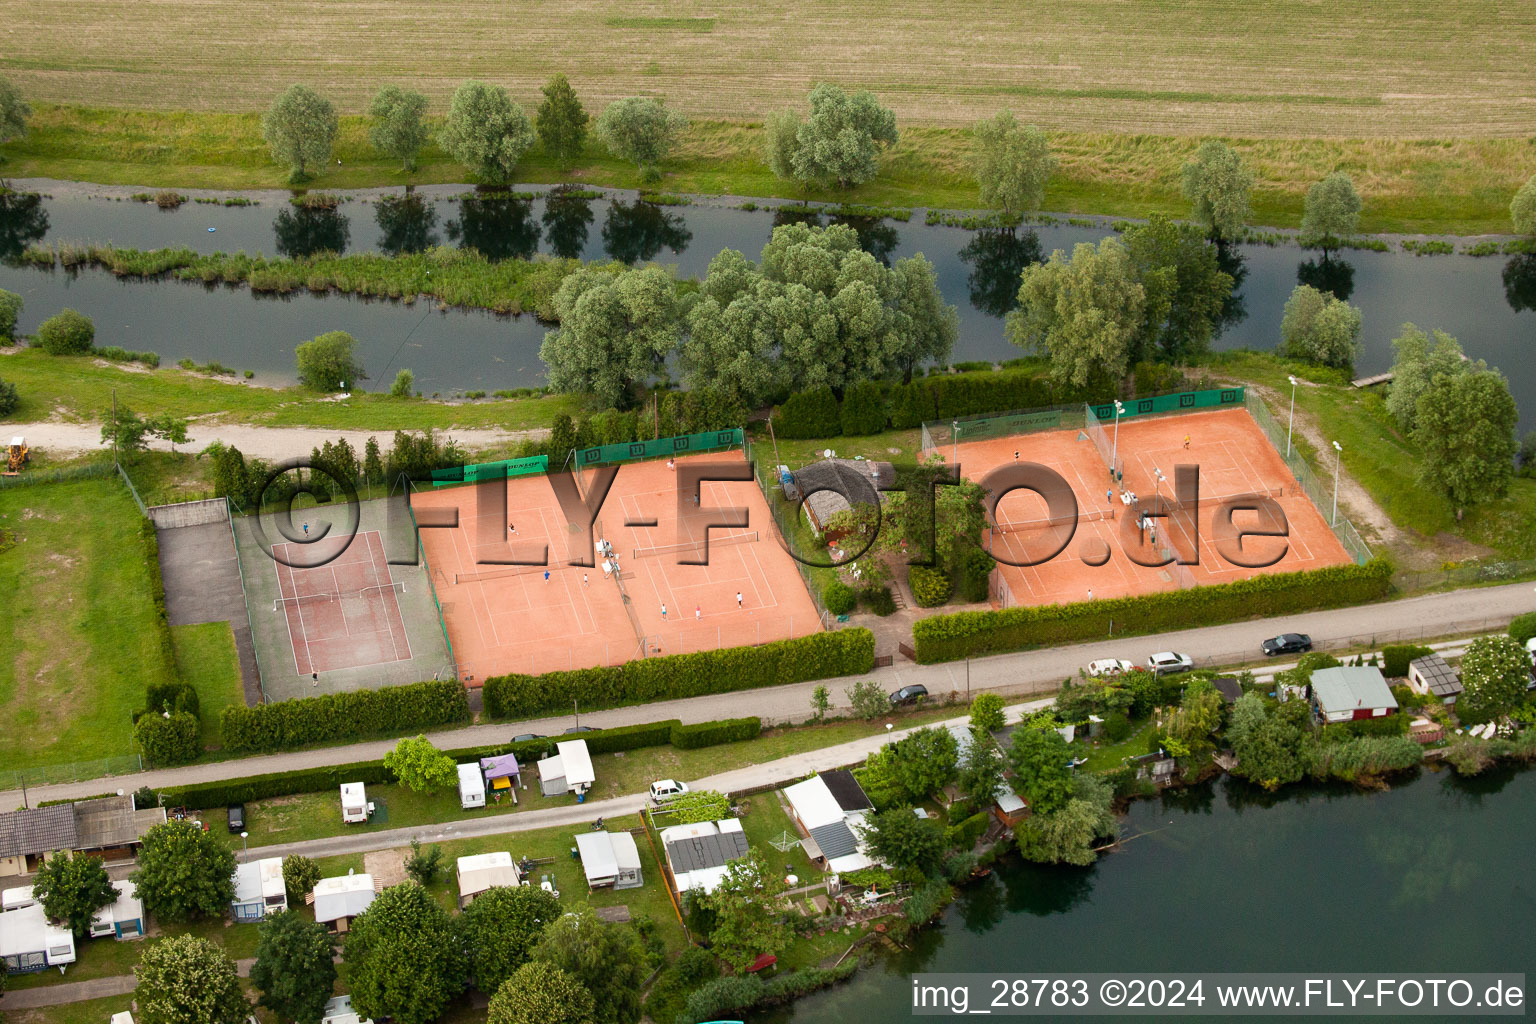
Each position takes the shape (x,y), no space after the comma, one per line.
(1234,457)
(504,618)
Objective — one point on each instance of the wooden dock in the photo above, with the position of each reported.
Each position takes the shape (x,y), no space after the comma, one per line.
(1373,380)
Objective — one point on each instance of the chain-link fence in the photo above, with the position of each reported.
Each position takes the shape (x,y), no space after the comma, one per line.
(1466,574)
(74,771)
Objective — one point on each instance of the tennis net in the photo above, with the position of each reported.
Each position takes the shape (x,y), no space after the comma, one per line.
(501,573)
(328,596)
(750,537)
(1023,525)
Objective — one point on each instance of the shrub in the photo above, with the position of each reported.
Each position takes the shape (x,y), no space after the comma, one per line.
(818,656)
(1395,659)
(1116,726)
(167,740)
(707,734)
(631,737)
(10,311)
(974,575)
(948,637)
(177,696)
(300,874)
(863,410)
(878,600)
(808,414)
(925,902)
(968,832)
(1386,725)
(1523,627)
(9,398)
(68,333)
(404,385)
(344,716)
(839,598)
(930,587)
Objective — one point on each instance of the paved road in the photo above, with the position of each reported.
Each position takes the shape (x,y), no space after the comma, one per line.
(1041,671)
(80,991)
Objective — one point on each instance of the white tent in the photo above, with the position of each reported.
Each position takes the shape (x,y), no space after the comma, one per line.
(259,889)
(343,897)
(29,943)
(569,771)
(123,919)
(354,803)
(609,859)
(471,786)
(484,871)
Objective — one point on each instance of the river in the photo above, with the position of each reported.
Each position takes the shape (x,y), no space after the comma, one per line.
(1433,875)
(1489,303)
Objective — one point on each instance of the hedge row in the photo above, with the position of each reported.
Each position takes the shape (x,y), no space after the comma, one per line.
(818,656)
(867,407)
(1395,658)
(965,634)
(708,734)
(344,716)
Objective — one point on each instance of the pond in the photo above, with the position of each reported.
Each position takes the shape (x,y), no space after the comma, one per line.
(1488,303)
(1430,876)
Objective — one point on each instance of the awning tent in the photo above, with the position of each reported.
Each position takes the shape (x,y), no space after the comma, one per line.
(609,859)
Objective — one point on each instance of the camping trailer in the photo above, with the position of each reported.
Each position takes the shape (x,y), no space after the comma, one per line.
(17,898)
(259,890)
(29,943)
(354,803)
(609,859)
(341,898)
(471,786)
(123,919)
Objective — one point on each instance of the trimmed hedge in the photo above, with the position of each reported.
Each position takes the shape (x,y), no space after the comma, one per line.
(1395,659)
(963,634)
(1523,627)
(818,656)
(627,737)
(806,414)
(930,587)
(947,396)
(863,411)
(708,734)
(344,716)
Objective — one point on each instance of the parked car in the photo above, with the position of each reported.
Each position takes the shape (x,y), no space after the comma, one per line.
(579,728)
(237,818)
(1287,643)
(1530,648)
(1166,663)
(525,737)
(1109,667)
(909,695)
(667,789)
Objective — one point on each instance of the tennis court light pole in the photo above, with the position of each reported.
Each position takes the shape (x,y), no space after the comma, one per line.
(1114,457)
(1338,453)
(1292,421)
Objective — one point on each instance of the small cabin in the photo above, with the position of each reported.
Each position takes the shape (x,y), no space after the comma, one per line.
(569,771)
(611,860)
(471,786)
(483,871)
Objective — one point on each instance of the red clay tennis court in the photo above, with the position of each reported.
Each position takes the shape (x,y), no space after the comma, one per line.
(1234,458)
(531,619)
(344,614)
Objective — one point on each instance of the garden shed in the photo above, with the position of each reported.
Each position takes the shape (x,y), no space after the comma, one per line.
(1433,675)
(338,900)
(698,853)
(1348,692)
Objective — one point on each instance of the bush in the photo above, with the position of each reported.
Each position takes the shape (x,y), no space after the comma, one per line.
(10,312)
(974,575)
(962,634)
(863,410)
(69,333)
(1523,627)
(818,656)
(878,600)
(925,902)
(1116,726)
(344,716)
(707,734)
(1395,659)
(839,598)
(930,587)
(968,832)
(177,696)
(9,398)
(168,740)
(1386,725)
(808,414)
(948,396)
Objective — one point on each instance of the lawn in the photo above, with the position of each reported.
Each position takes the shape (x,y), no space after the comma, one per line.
(109,958)
(81,634)
(206,658)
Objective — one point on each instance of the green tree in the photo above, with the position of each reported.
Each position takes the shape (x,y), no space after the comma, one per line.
(699,805)
(373,465)
(124,430)
(746,918)
(167,738)
(398,126)
(981,769)
(562,122)
(67,333)
(642,130)
(1066,835)
(10,312)
(1083,314)
(1494,673)
(184,872)
(1465,435)
(925,761)
(424,865)
(1039,759)
(608,959)
(868,699)
(294,968)
(1267,745)
(987,713)
(540,993)
(1319,328)
(329,362)
(1185,290)
(299,128)
(1218,186)
(13,112)
(615,333)
(420,766)
(1198,716)
(821,702)
(1526,456)
(9,398)
(1331,213)
(1416,363)
(903,840)
(1522,209)
(499,930)
(71,888)
(401,958)
(839,144)
(485,131)
(300,874)
(1013,163)
(187,980)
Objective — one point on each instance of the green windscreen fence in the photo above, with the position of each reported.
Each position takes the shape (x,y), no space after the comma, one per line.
(1008,424)
(683,444)
(1183,401)
(529,466)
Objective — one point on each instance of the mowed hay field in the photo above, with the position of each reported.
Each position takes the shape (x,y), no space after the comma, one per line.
(80,637)
(1371,68)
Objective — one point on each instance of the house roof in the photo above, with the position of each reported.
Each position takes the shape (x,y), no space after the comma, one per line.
(724,841)
(28,931)
(1229,688)
(84,825)
(258,879)
(1438,675)
(845,789)
(37,830)
(342,896)
(814,803)
(835,839)
(605,854)
(483,871)
(1351,687)
(857,477)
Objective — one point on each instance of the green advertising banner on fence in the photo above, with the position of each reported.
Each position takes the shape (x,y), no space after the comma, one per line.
(529,466)
(1185,401)
(1008,424)
(683,444)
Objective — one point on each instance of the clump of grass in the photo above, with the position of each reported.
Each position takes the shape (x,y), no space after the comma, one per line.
(168,200)
(850,210)
(122,355)
(663,198)
(971,221)
(1432,247)
(228,201)
(316,200)
(213,368)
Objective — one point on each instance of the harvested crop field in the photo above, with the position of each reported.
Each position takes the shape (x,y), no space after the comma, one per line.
(1412,69)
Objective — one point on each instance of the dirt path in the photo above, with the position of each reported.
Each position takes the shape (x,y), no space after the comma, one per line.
(259,442)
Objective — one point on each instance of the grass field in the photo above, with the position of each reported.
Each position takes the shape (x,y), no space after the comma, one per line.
(80,634)
(206,658)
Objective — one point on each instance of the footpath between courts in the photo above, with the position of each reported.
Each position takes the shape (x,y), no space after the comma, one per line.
(1016,674)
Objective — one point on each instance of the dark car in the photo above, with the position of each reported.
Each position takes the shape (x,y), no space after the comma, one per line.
(580,728)
(1287,643)
(525,737)
(909,694)
(237,818)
